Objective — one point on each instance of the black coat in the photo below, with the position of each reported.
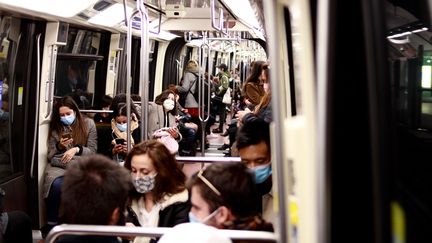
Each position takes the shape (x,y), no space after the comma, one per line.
(170,216)
(88,239)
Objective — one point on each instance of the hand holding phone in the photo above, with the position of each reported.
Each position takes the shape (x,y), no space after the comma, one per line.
(120,141)
(66,135)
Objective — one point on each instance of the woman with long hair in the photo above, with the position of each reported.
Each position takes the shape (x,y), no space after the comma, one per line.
(253,90)
(189,86)
(70,136)
(159,197)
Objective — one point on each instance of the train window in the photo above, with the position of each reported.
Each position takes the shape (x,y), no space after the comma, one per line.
(76,66)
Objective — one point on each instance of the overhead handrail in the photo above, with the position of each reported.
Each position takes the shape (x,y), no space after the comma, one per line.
(194,159)
(219,27)
(123,231)
(96,111)
(36,126)
(203,117)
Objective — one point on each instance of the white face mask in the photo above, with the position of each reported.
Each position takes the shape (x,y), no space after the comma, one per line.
(168,104)
(266,87)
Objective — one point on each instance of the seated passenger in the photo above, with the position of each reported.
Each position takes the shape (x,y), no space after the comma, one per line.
(70,136)
(94,192)
(253,144)
(225,196)
(112,139)
(15,226)
(160,198)
(104,105)
(161,114)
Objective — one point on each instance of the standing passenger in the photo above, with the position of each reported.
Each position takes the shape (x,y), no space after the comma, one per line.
(70,136)
(189,84)
(160,198)
(220,89)
(94,192)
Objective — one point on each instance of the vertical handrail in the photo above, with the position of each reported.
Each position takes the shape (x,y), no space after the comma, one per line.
(201,89)
(129,77)
(144,66)
(178,71)
(323,77)
(12,110)
(50,82)
(36,126)
(270,11)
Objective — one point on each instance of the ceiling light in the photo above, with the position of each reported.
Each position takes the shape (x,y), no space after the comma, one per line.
(62,8)
(111,16)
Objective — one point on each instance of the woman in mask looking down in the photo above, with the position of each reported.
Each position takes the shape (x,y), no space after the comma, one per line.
(159,197)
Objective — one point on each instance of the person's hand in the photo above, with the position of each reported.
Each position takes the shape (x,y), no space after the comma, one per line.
(120,148)
(173,132)
(68,155)
(241,114)
(130,238)
(64,142)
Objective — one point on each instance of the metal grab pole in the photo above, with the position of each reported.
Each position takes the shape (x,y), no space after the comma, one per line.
(201,89)
(128,76)
(144,77)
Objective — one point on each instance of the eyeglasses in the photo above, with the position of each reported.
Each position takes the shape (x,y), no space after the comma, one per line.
(208,183)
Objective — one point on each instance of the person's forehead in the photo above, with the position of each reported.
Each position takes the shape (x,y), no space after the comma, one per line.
(197,198)
(254,151)
(142,161)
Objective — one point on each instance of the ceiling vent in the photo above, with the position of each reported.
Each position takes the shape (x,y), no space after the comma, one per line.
(175,10)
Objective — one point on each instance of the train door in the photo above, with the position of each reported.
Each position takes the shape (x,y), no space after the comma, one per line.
(20,45)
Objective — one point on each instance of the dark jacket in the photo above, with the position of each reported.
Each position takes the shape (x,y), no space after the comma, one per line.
(175,211)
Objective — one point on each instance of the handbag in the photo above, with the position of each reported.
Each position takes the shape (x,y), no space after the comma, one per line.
(164,137)
(227,97)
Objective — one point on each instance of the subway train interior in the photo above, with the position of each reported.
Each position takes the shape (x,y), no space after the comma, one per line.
(351,85)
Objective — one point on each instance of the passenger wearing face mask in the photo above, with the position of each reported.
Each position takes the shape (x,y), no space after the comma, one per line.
(71,135)
(225,196)
(162,114)
(113,139)
(253,144)
(159,197)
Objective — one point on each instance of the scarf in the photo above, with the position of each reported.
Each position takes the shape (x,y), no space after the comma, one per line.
(119,134)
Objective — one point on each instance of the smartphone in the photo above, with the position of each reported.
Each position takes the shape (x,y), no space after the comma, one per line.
(67,135)
(120,141)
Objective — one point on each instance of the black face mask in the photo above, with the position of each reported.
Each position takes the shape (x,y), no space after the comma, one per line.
(265,187)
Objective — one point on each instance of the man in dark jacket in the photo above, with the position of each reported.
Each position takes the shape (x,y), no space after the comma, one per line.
(95,190)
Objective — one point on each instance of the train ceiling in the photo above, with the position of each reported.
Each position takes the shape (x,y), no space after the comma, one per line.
(241,18)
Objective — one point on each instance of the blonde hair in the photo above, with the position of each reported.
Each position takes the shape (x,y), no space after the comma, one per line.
(192,65)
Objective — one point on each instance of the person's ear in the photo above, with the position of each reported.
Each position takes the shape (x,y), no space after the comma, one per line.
(115,216)
(224,214)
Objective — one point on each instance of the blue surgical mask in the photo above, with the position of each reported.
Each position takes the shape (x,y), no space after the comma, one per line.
(262,172)
(68,120)
(121,127)
(195,219)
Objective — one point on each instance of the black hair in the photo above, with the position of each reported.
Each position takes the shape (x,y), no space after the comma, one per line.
(236,186)
(253,131)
